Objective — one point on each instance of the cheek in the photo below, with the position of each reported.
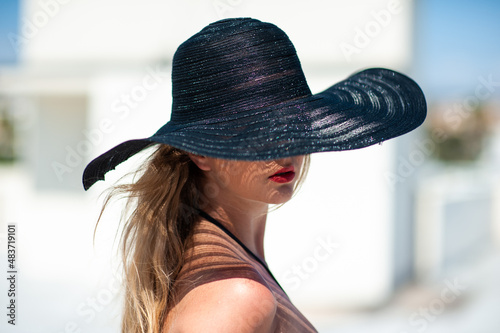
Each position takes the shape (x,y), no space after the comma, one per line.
(227,175)
(237,181)
(243,174)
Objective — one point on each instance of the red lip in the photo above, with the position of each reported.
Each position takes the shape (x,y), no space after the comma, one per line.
(284,175)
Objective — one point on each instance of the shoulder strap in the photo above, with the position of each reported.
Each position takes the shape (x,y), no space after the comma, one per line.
(223,228)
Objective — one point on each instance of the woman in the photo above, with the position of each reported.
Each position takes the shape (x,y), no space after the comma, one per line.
(242,126)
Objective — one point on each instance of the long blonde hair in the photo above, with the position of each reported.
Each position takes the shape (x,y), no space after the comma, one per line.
(163,205)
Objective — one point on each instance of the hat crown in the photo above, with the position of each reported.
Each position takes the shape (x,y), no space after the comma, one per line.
(234,65)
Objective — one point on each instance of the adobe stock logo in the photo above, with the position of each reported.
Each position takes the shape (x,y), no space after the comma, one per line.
(420,319)
(371,30)
(223,6)
(298,273)
(453,116)
(122,107)
(31,27)
(93,306)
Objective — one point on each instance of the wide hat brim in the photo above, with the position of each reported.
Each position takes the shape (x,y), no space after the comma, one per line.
(367,108)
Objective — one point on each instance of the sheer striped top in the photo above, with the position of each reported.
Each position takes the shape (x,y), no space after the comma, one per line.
(216,254)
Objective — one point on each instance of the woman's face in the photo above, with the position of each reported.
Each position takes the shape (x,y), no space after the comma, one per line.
(270,182)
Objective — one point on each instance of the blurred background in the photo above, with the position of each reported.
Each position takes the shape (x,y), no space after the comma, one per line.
(401,237)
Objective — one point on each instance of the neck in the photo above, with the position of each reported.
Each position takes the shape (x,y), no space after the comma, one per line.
(247,222)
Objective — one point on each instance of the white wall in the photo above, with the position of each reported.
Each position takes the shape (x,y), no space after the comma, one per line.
(337,33)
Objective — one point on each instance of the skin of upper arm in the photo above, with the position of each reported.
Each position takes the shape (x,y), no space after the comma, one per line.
(230,305)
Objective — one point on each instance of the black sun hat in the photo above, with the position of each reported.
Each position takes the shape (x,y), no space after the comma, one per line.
(239,93)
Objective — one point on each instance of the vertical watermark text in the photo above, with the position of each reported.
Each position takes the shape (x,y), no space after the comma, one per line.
(11,274)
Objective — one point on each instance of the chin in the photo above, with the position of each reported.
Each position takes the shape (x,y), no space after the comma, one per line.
(280,196)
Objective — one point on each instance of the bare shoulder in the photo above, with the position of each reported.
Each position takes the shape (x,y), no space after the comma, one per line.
(228,305)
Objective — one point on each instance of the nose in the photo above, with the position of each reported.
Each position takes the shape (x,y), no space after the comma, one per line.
(296,160)
(284,160)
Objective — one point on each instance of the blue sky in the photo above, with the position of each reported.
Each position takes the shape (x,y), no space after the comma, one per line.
(456,42)
(9,19)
